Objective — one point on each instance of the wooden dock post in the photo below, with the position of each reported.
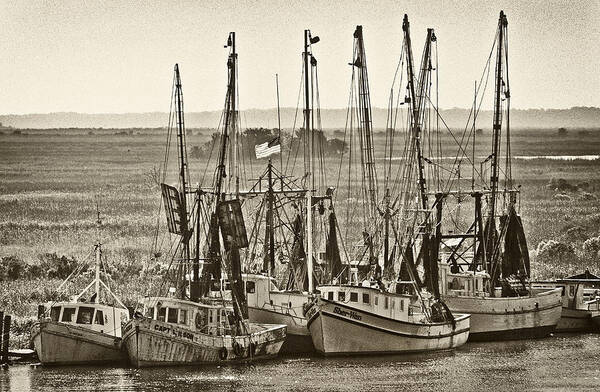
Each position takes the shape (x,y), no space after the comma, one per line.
(5,338)
(41,311)
(1,330)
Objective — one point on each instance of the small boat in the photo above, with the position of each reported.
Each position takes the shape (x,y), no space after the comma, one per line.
(534,314)
(189,326)
(352,319)
(580,302)
(82,332)
(365,318)
(173,331)
(485,271)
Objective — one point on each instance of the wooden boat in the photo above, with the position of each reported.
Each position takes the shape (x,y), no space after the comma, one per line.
(189,327)
(350,319)
(179,332)
(267,304)
(533,315)
(291,232)
(580,302)
(485,271)
(363,318)
(80,332)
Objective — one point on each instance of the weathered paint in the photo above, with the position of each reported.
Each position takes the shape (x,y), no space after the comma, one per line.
(507,318)
(156,343)
(64,344)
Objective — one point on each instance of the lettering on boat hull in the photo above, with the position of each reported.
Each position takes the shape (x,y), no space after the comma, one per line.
(156,343)
(340,330)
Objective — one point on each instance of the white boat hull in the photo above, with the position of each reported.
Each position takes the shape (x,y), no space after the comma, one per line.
(156,343)
(63,344)
(577,320)
(337,329)
(297,340)
(510,318)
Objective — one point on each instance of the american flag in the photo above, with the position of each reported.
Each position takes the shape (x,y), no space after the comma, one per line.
(268,148)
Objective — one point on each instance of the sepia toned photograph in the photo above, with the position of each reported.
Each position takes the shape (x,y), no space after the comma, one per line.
(275,195)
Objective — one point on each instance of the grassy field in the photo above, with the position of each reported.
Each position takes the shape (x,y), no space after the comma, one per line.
(50,181)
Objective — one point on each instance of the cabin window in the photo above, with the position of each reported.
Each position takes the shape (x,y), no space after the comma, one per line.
(67,315)
(149,312)
(182,316)
(330,295)
(54,313)
(376,300)
(250,287)
(353,297)
(366,299)
(99,318)
(385,302)
(84,316)
(341,296)
(172,316)
(162,314)
(571,291)
(393,304)
(476,284)
(210,316)
(290,305)
(215,285)
(227,286)
(402,305)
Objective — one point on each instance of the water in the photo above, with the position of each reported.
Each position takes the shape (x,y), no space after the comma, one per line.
(557,363)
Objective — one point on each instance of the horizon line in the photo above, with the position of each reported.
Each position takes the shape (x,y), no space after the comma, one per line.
(275,108)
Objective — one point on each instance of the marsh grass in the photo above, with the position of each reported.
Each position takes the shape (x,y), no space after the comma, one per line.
(49,186)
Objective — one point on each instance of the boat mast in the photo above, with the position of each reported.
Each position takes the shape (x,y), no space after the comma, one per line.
(98,257)
(417,102)
(183,167)
(502,23)
(270,260)
(229,118)
(308,132)
(364,106)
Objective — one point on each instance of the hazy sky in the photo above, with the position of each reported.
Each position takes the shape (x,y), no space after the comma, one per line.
(118,56)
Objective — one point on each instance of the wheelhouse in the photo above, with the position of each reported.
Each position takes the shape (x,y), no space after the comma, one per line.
(97,317)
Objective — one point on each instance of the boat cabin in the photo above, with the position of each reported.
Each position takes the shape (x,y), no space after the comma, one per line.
(96,317)
(462,283)
(210,319)
(372,300)
(262,292)
(578,292)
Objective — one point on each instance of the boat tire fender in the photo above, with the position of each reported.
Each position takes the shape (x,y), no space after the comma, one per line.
(223,354)
(237,349)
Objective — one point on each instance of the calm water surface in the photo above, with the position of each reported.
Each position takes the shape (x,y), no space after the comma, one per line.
(563,362)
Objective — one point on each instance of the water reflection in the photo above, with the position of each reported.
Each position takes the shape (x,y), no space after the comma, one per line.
(557,363)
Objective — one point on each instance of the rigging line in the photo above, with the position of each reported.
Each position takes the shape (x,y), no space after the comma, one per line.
(348,113)
(294,127)
(471,113)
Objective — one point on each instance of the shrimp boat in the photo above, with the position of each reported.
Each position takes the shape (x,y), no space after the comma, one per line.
(188,326)
(580,302)
(485,271)
(81,332)
(406,316)
(291,232)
